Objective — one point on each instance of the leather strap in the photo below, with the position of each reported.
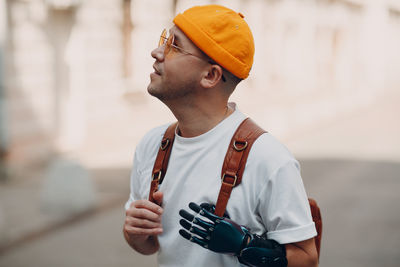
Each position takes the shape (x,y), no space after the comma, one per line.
(235,161)
(161,163)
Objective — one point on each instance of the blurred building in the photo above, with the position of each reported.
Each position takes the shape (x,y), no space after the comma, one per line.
(72,70)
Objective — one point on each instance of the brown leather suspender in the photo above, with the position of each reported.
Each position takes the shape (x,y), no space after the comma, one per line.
(161,163)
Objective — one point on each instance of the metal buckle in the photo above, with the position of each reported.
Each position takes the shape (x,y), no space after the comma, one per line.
(158,177)
(234,182)
(164,144)
(239,148)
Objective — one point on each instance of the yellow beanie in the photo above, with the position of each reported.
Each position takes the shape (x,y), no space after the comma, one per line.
(222,34)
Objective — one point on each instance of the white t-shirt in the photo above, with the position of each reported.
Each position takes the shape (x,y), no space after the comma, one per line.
(271,197)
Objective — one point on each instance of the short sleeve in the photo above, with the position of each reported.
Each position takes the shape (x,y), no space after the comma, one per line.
(134,180)
(284,206)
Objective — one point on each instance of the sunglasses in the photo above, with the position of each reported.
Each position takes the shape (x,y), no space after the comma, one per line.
(168,42)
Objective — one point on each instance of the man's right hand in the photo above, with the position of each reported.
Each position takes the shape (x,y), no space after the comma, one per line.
(143,224)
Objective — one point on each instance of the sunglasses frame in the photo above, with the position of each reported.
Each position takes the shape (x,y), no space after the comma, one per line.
(168,42)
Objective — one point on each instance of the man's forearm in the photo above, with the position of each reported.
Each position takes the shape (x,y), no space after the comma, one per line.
(146,247)
(300,256)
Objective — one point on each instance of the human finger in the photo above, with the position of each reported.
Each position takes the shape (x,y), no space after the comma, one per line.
(142,223)
(142,231)
(143,213)
(145,204)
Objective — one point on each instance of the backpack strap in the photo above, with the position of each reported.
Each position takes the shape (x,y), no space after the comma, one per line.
(161,163)
(235,161)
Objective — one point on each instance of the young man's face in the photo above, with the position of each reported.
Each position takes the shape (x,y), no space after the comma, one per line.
(176,73)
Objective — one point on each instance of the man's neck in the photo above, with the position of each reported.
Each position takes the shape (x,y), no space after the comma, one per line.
(194,120)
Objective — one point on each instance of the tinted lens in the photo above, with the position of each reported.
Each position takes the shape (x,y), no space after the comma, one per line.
(168,44)
(162,38)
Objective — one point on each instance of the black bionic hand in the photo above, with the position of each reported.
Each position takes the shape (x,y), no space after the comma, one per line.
(212,232)
(222,235)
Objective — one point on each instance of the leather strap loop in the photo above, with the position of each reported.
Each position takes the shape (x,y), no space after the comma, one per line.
(231,181)
(164,144)
(240,145)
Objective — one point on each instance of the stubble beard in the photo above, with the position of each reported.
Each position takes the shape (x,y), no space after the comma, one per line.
(169,92)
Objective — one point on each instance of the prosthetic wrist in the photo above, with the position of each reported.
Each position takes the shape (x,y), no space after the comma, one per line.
(222,235)
(263,252)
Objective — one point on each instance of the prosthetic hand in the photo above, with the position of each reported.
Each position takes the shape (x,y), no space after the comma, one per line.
(222,235)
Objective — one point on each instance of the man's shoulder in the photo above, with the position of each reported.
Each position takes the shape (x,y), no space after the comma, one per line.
(269,150)
(271,143)
(152,138)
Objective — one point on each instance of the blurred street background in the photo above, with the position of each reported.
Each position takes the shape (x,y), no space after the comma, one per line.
(73,106)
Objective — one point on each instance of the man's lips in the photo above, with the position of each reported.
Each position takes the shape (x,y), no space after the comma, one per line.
(156,71)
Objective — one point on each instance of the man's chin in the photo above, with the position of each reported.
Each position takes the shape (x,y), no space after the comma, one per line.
(153,91)
(150,90)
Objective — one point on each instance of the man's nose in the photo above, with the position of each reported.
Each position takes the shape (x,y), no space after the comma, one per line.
(158,53)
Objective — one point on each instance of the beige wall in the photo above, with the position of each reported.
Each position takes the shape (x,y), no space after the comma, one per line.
(66,90)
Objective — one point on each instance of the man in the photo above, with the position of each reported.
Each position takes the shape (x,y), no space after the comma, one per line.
(207,53)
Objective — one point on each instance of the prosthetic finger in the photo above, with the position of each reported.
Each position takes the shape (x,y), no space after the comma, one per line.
(185,234)
(193,206)
(215,233)
(207,226)
(186,215)
(211,208)
(194,229)
(189,217)
(193,239)
(210,216)
(207,206)
(205,209)
(185,224)
(204,212)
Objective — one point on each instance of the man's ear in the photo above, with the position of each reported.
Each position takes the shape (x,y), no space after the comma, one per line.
(211,76)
